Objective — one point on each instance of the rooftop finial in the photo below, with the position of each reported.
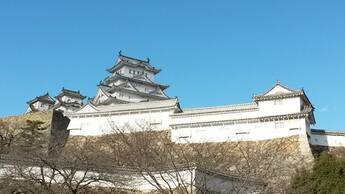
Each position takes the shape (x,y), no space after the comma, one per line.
(278,82)
(120,53)
(148,60)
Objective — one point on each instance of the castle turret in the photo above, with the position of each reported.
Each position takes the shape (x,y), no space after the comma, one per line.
(69,100)
(40,103)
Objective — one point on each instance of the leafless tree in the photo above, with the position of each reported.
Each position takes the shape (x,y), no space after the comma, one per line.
(76,171)
(27,168)
(149,155)
(6,137)
(263,166)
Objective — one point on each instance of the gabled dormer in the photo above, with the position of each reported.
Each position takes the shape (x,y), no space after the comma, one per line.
(128,85)
(278,91)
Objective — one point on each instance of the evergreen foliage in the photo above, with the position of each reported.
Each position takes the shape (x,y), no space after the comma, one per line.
(32,137)
(327,176)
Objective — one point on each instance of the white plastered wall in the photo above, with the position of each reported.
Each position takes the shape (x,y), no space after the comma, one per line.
(240,132)
(287,106)
(99,125)
(327,140)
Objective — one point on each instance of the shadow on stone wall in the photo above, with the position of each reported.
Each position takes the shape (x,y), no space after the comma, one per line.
(59,134)
(317,149)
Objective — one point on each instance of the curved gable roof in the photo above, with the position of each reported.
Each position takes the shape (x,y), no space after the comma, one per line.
(132,62)
(44,98)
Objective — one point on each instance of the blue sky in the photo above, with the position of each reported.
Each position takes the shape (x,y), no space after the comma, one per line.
(211,52)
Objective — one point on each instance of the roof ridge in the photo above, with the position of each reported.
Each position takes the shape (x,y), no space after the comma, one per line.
(140,93)
(136,80)
(131,61)
(221,106)
(278,83)
(100,107)
(69,90)
(37,98)
(329,130)
(125,56)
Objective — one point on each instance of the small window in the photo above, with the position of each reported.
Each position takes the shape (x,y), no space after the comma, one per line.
(155,124)
(242,133)
(279,125)
(278,102)
(130,71)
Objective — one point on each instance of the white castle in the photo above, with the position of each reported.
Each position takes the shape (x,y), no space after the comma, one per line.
(130,96)
(131,80)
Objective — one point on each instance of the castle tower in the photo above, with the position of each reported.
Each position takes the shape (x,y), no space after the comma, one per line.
(69,100)
(131,80)
(40,103)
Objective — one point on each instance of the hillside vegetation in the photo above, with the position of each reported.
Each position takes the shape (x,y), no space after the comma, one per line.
(27,133)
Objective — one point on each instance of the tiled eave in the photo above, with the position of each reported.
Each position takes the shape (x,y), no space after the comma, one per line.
(118,76)
(230,177)
(279,96)
(41,100)
(142,94)
(122,63)
(241,121)
(79,96)
(325,132)
(70,104)
(45,99)
(121,112)
(113,100)
(214,112)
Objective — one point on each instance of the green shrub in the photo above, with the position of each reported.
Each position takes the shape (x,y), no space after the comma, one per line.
(326,176)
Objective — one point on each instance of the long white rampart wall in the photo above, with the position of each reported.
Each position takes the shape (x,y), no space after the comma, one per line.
(133,180)
(270,116)
(243,122)
(327,138)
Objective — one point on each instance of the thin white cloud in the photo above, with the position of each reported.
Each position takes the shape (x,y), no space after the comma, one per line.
(328,109)
(324,109)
